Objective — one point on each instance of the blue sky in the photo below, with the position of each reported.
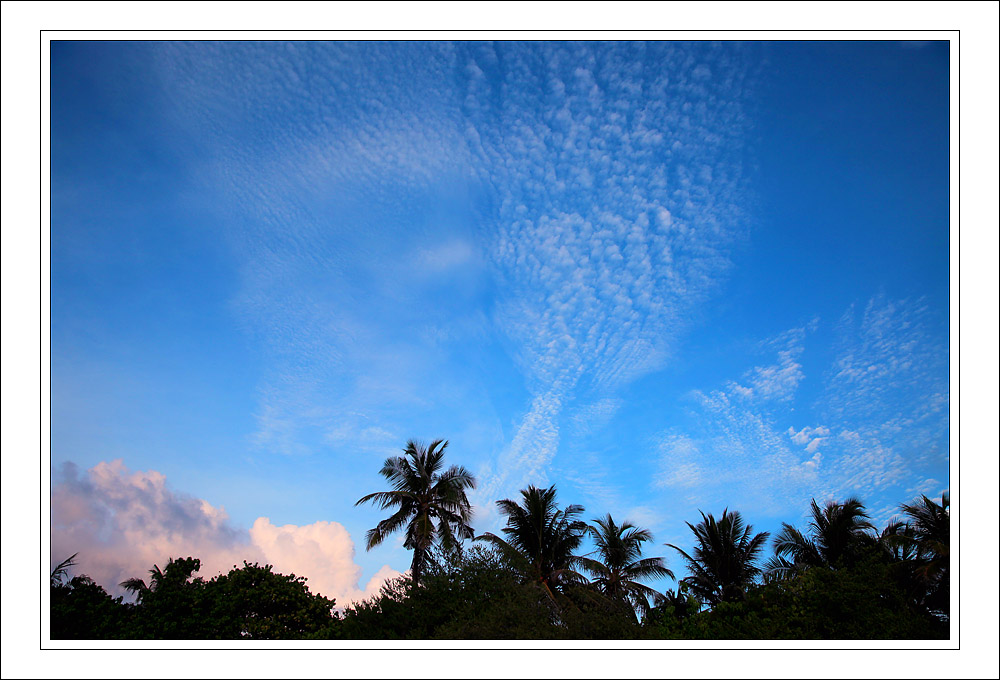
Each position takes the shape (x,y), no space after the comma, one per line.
(663,276)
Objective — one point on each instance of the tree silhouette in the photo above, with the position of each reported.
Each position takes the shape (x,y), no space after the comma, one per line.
(931,525)
(171,605)
(924,543)
(838,535)
(432,505)
(621,564)
(724,562)
(541,538)
(256,603)
(174,576)
(61,571)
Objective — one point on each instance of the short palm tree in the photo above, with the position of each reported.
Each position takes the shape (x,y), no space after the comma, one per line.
(431,504)
(174,575)
(838,534)
(621,564)
(140,588)
(541,538)
(61,571)
(923,542)
(931,525)
(723,565)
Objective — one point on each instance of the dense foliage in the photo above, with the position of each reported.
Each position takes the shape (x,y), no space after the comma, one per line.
(863,602)
(478,594)
(250,602)
(839,580)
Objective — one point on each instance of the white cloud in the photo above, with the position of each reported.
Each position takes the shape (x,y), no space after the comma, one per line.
(122,523)
(778,381)
(323,552)
(809,437)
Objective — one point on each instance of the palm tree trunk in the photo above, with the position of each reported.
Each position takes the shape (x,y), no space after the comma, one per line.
(416,565)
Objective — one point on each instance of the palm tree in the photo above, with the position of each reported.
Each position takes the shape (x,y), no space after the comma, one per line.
(138,587)
(924,543)
(621,565)
(725,555)
(680,600)
(432,505)
(931,525)
(62,571)
(838,534)
(175,574)
(541,538)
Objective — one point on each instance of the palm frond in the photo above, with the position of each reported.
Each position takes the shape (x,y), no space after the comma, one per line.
(387,526)
(385,499)
(62,569)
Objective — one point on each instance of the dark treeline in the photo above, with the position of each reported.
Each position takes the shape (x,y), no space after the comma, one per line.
(839,579)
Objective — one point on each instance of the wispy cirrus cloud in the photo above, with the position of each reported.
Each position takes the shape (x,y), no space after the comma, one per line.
(880,413)
(889,374)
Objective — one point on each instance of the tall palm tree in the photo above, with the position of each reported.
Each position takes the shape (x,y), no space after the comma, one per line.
(838,534)
(541,538)
(621,563)
(724,562)
(431,504)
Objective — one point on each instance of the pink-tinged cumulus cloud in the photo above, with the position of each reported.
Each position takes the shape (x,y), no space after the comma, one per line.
(122,523)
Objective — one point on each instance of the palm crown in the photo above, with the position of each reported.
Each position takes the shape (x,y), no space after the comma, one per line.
(541,538)
(924,541)
(724,560)
(837,534)
(432,505)
(174,576)
(931,526)
(621,563)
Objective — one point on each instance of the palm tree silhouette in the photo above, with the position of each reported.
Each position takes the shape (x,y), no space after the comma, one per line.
(924,541)
(724,562)
(931,525)
(621,564)
(838,534)
(176,573)
(541,538)
(61,571)
(432,505)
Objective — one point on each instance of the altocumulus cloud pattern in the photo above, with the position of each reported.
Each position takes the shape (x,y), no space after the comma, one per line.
(609,181)
(526,248)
